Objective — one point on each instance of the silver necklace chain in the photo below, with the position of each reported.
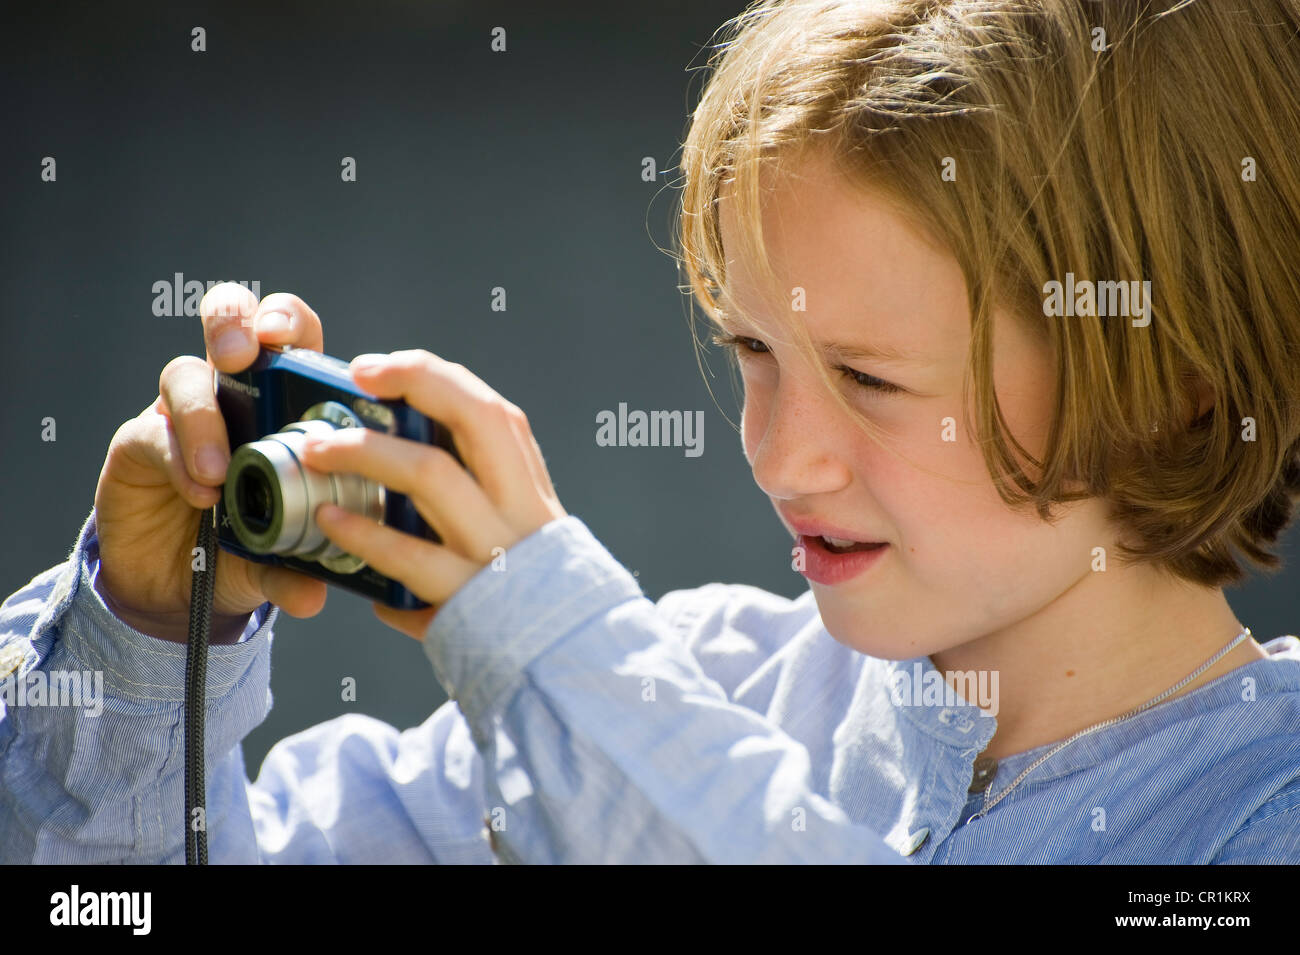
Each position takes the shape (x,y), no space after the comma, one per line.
(989,804)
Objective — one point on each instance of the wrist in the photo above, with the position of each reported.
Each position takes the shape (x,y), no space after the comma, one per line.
(175,626)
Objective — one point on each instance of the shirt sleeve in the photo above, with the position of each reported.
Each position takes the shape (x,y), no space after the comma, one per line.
(1271,836)
(581,729)
(255,619)
(603,739)
(92,735)
(102,781)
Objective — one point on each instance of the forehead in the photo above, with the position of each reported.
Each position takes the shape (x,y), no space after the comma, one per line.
(868,276)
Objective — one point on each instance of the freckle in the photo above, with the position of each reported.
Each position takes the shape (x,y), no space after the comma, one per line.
(1069,673)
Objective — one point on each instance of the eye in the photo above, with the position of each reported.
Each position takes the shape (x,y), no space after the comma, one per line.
(744,346)
(869,381)
(740,343)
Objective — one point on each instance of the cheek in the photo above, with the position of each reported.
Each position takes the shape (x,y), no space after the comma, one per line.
(937,497)
(959,537)
(906,500)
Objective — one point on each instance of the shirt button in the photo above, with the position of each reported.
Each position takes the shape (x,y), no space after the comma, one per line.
(917,840)
(986,767)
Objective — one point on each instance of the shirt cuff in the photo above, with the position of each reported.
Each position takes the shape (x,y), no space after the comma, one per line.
(137,666)
(255,620)
(502,618)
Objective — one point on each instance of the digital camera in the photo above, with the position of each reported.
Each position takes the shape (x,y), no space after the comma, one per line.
(269,498)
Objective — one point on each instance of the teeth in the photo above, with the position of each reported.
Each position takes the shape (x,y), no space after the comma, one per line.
(837,542)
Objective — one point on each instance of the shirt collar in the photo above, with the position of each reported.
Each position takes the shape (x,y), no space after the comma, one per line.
(921,695)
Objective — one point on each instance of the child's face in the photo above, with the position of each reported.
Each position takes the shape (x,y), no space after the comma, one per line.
(959,563)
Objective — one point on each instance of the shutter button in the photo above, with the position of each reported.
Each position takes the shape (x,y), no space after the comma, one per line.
(986,767)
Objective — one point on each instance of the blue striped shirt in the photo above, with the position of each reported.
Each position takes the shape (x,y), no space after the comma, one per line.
(587,723)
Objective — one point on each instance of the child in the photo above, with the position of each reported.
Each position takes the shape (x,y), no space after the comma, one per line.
(1012,290)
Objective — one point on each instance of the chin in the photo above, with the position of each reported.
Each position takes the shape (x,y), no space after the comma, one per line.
(882,640)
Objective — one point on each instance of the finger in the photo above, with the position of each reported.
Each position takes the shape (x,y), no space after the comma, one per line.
(147,453)
(479,418)
(537,469)
(433,572)
(285,319)
(413,623)
(227,313)
(295,593)
(188,401)
(443,493)
(234,323)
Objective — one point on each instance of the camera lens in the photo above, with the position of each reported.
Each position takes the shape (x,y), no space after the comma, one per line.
(253,493)
(270,498)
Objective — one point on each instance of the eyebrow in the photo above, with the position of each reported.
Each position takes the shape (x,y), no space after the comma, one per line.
(852,352)
(878,353)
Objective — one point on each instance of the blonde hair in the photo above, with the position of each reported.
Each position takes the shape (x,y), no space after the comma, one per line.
(1123,154)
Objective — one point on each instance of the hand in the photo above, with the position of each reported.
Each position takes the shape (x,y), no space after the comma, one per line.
(152,489)
(506,498)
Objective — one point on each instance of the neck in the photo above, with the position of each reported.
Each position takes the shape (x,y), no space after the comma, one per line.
(1107,645)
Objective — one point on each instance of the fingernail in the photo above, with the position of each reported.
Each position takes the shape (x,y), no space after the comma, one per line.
(229,343)
(274,322)
(368,361)
(211,461)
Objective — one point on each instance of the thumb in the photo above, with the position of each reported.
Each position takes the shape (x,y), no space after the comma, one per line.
(296,594)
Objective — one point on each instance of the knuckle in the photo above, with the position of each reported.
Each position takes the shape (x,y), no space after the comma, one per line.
(487,409)
(400,360)
(147,433)
(415,359)
(504,411)
(128,432)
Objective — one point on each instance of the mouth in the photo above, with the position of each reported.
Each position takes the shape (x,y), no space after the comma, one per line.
(840,546)
(834,560)
(836,540)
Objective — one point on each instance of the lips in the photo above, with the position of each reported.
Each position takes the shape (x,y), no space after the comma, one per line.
(837,539)
(828,567)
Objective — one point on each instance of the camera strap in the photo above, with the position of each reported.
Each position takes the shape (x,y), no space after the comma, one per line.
(196,675)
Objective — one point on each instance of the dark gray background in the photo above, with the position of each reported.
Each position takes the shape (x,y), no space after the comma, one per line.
(475,169)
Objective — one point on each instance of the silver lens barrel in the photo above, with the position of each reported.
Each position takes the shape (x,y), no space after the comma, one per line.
(270,498)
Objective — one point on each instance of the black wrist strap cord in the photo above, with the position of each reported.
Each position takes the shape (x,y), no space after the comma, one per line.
(196,676)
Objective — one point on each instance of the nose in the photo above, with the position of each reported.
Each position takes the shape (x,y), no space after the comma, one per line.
(796,439)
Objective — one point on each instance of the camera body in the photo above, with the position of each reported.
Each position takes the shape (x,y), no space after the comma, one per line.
(269,497)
